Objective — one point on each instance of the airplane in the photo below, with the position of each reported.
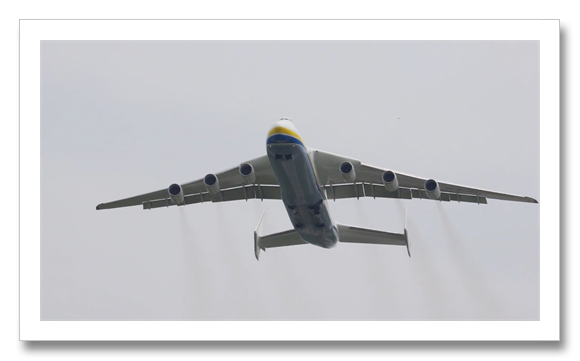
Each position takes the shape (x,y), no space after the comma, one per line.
(305,179)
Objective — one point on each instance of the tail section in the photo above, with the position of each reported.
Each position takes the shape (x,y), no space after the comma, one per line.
(406,235)
(347,234)
(281,239)
(258,236)
(350,234)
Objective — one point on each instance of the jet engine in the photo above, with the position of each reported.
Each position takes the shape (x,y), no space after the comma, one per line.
(347,171)
(211,183)
(390,181)
(247,172)
(176,194)
(432,188)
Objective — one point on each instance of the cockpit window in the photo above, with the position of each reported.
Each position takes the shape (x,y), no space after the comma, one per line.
(286,119)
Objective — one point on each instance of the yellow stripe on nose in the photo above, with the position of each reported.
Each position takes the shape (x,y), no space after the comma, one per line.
(282,130)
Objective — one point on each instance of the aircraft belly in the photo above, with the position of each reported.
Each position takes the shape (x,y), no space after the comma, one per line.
(307,209)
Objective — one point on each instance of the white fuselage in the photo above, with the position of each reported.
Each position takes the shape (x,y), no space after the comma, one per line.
(301,193)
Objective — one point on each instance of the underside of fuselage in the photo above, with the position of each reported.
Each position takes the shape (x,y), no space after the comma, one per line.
(301,195)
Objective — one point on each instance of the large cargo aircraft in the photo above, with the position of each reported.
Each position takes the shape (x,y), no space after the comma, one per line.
(305,179)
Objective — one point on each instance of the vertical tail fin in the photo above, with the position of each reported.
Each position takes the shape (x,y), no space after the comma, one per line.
(258,235)
(406,235)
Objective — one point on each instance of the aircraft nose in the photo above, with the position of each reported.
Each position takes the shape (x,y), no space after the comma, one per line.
(280,123)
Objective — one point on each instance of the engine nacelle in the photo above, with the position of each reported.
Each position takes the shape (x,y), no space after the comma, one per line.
(347,171)
(176,194)
(212,184)
(390,181)
(432,188)
(247,172)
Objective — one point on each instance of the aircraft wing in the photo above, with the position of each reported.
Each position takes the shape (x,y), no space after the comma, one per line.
(368,182)
(232,186)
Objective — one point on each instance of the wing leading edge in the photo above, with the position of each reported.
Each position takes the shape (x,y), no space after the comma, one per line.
(368,182)
(232,185)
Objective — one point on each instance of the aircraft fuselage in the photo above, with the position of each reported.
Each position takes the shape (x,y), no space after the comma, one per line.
(301,194)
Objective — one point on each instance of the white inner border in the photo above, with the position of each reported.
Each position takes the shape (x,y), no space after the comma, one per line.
(33,31)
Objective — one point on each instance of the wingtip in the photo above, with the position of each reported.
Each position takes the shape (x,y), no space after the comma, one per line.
(99,206)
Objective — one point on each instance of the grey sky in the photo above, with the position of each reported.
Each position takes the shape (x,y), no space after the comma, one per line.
(125,118)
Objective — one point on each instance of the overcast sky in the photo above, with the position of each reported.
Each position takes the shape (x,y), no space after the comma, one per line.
(124,118)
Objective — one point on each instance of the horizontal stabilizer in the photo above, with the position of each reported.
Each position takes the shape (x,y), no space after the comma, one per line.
(281,239)
(350,234)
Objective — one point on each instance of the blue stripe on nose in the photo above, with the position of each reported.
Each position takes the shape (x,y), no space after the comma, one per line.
(283,138)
